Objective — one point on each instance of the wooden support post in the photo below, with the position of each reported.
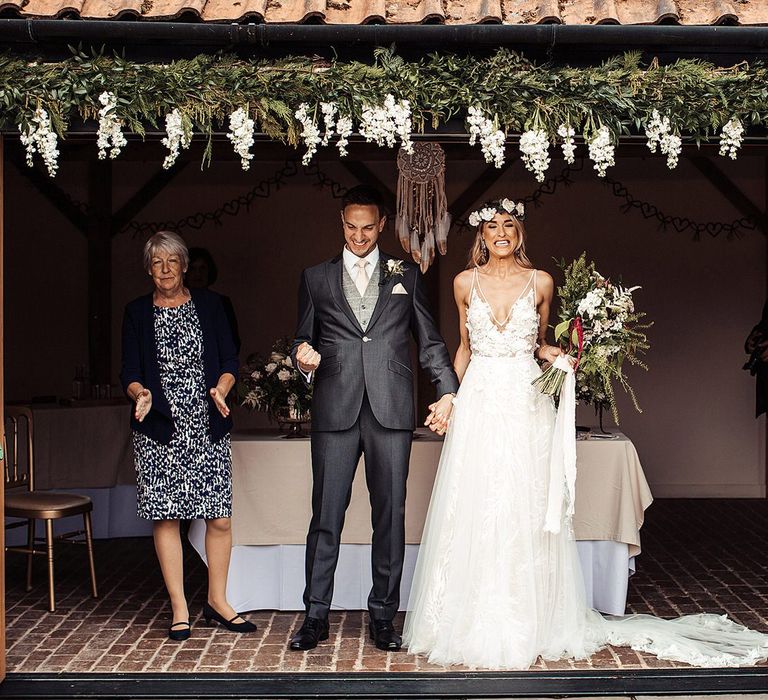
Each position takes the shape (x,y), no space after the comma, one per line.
(2,407)
(99,237)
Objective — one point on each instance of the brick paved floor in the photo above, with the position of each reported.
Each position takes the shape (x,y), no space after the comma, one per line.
(698,556)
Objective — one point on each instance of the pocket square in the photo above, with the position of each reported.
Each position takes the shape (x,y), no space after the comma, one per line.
(399,289)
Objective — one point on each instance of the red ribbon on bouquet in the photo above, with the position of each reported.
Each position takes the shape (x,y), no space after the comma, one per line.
(577,326)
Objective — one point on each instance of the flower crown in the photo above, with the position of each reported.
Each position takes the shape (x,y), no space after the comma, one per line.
(506,206)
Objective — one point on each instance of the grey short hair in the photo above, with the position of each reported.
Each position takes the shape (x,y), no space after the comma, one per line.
(169,241)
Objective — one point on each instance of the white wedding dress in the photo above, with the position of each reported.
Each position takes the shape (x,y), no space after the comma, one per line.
(491,588)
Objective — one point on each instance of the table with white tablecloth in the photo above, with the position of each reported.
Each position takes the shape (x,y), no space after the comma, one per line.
(272,485)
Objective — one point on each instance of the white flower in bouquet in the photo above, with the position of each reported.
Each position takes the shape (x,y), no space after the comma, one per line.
(534,147)
(178,136)
(491,139)
(731,137)
(329,110)
(284,375)
(310,133)
(40,137)
(110,135)
(569,144)
(271,367)
(241,130)
(601,151)
(590,303)
(277,357)
(344,130)
(287,362)
(256,374)
(384,124)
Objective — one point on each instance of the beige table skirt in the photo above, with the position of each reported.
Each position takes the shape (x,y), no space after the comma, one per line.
(83,447)
(272,487)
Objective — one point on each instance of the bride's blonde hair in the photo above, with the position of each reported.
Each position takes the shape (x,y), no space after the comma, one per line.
(478,254)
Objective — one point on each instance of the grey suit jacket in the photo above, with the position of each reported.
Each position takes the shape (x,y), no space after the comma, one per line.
(377,359)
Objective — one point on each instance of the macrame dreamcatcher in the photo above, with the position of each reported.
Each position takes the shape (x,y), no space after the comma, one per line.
(423,220)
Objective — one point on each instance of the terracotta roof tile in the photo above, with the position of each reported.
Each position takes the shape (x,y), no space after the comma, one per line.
(413,11)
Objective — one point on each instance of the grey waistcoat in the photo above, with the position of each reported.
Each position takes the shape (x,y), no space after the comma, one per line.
(362,306)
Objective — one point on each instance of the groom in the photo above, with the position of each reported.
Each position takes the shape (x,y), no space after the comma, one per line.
(356,316)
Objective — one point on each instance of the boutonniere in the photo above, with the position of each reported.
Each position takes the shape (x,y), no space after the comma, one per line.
(393,268)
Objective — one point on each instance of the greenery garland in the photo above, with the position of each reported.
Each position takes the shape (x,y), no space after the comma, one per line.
(516,94)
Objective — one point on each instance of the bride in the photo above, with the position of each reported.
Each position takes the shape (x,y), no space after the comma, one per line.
(493,588)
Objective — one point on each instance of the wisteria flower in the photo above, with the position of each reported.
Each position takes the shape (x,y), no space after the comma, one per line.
(110,135)
(178,136)
(601,151)
(310,133)
(40,137)
(491,139)
(344,130)
(659,133)
(241,130)
(569,144)
(383,125)
(534,148)
(329,110)
(731,137)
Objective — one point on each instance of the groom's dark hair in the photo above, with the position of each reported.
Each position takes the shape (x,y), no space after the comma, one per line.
(365,195)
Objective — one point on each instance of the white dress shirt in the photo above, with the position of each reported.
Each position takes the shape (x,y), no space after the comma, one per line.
(351,260)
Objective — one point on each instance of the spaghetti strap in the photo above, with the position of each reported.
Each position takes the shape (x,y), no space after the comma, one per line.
(474,281)
(535,296)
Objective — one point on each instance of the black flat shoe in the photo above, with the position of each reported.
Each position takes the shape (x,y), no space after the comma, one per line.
(179,635)
(313,630)
(243,627)
(384,635)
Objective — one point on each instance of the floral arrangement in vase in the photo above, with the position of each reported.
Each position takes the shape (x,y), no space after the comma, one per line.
(275,386)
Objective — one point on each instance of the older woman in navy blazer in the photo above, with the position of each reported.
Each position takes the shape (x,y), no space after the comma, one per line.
(179,364)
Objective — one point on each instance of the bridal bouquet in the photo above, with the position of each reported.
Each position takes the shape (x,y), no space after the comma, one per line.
(274,385)
(600,328)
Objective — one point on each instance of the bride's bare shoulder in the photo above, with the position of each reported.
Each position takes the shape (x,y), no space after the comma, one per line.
(463,281)
(544,279)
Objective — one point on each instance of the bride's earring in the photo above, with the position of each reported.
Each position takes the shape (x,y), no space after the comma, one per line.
(483,248)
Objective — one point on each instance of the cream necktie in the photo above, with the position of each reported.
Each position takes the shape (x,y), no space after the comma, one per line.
(361,281)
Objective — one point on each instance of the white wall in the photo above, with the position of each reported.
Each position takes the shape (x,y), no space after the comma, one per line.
(697,436)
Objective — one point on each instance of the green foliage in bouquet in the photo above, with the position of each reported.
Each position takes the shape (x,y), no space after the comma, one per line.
(274,385)
(602,314)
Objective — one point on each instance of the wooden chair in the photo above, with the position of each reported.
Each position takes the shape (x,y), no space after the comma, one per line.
(22,501)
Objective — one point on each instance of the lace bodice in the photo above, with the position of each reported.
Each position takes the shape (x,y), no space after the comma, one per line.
(514,338)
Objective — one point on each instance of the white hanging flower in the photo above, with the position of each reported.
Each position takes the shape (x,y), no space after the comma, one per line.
(310,133)
(383,125)
(40,137)
(491,139)
(534,147)
(178,136)
(659,133)
(241,130)
(601,151)
(110,135)
(329,113)
(569,144)
(731,137)
(344,130)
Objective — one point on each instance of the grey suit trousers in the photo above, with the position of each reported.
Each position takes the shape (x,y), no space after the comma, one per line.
(335,455)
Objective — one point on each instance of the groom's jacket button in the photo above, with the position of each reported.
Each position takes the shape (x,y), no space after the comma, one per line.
(366,339)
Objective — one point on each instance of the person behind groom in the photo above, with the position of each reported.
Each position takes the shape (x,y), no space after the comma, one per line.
(357,313)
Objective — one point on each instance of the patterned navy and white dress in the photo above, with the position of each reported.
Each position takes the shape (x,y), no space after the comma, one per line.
(191,477)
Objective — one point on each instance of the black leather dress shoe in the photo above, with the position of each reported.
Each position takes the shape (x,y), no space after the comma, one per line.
(313,630)
(384,634)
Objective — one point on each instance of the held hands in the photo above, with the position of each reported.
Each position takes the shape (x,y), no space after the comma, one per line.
(307,358)
(440,414)
(549,353)
(219,396)
(143,404)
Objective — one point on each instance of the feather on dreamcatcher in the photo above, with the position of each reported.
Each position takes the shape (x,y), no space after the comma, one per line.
(423,220)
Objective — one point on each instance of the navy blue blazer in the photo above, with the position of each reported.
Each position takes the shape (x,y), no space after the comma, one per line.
(140,361)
